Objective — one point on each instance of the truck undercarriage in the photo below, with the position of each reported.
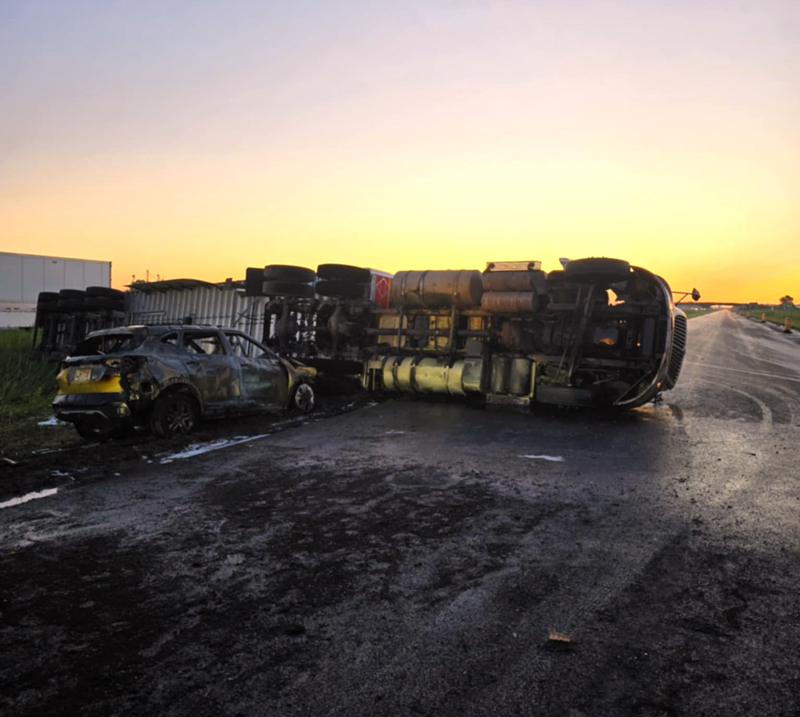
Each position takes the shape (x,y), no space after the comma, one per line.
(599,333)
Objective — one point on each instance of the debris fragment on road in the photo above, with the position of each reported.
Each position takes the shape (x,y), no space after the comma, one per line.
(543,457)
(559,641)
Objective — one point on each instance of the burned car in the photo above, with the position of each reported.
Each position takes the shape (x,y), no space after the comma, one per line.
(169,376)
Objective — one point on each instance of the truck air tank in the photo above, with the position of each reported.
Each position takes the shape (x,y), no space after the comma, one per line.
(437,289)
(515,281)
(511,302)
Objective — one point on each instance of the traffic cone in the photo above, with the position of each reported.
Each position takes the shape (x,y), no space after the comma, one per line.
(763,318)
(787,325)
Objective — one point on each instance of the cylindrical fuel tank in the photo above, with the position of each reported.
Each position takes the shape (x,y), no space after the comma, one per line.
(515,281)
(511,302)
(519,382)
(501,366)
(415,374)
(437,289)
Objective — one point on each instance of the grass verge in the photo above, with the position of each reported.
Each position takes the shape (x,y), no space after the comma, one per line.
(692,313)
(27,387)
(775,316)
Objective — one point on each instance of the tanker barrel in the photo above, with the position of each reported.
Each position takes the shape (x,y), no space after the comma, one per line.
(437,289)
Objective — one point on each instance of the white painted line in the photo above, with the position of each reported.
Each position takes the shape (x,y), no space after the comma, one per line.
(741,370)
(29,496)
(197,449)
(554,459)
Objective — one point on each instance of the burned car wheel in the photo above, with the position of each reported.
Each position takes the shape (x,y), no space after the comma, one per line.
(304,398)
(174,413)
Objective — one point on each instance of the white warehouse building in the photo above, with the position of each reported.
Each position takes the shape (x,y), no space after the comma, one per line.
(23,276)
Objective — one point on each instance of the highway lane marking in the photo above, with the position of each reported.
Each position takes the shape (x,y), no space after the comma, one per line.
(742,370)
(196,449)
(29,496)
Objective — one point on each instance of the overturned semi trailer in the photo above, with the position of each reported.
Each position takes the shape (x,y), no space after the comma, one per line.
(598,333)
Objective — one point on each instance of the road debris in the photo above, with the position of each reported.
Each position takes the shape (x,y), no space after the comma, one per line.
(52,421)
(28,496)
(553,459)
(558,641)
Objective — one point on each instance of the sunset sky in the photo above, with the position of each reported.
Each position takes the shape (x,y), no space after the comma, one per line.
(197,138)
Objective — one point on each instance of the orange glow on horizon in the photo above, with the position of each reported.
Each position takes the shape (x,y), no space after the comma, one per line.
(418,137)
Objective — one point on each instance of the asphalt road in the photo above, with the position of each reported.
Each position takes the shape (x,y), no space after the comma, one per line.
(411,558)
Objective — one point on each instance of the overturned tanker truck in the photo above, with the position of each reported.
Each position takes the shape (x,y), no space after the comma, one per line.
(597,333)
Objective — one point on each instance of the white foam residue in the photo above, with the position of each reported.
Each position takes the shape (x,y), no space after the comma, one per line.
(52,421)
(554,459)
(29,496)
(197,449)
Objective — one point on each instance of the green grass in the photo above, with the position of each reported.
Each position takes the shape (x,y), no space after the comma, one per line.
(27,384)
(692,313)
(27,388)
(774,316)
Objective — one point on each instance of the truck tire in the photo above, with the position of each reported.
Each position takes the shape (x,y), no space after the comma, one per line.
(105,292)
(284,272)
(71,294)
(342,289)
(102,303)
(287,288)
(253,282)
(597,269)
(344,272)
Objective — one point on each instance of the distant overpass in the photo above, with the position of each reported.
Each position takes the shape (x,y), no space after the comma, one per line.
(711,304)
(734,304)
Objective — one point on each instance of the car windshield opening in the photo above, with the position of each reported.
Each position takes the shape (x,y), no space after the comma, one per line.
(109,343)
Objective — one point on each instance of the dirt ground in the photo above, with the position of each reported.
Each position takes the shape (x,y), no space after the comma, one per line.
(49,453)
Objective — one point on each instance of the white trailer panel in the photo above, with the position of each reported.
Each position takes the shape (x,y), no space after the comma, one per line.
(23,276)
(199,302)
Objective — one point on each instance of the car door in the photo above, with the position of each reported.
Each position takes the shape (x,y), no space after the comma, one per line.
(264,382)
(210,368)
